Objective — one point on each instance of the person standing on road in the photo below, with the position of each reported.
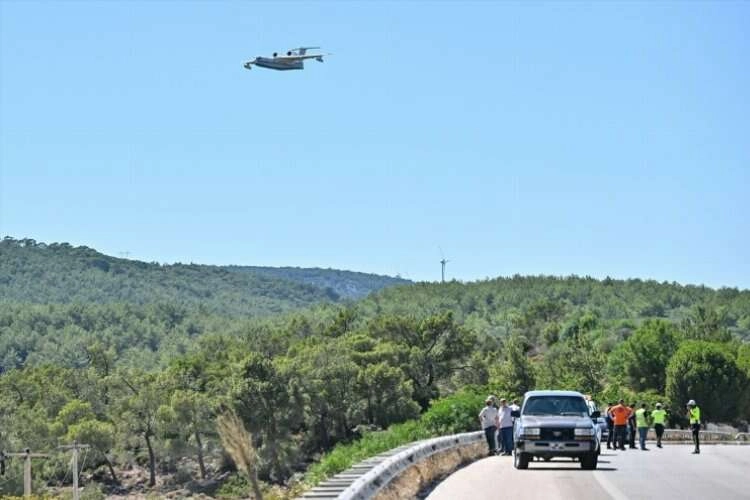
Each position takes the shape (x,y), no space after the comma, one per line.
(506,427)
(514,407)
(488,419)
(641,421)
(659,416)
(632,426)
(694,414)
(610,426)
(620,414)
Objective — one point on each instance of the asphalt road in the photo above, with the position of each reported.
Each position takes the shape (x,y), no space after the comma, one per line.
(719,472)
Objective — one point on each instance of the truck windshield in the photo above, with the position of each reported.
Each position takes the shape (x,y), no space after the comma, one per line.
(556,405)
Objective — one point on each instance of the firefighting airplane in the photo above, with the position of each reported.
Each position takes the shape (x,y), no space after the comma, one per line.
(294,59)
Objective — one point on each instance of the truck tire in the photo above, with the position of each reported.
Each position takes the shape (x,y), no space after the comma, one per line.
(589,460)
(521,460)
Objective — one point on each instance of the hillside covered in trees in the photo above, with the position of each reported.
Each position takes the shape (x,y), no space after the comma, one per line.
(58,273)
(144,380)
(345,284)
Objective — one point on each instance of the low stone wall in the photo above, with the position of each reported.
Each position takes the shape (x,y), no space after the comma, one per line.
(404,474)
(421,475)
(707,436)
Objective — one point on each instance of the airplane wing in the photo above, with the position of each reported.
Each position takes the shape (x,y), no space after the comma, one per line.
(294,58)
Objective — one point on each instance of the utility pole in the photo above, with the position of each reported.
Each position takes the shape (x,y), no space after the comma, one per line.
(75,448)
(27,456)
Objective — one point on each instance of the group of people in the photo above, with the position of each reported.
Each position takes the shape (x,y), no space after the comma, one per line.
(497,421)
(623,421)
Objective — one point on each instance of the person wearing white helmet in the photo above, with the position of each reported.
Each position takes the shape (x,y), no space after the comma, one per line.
(694,414)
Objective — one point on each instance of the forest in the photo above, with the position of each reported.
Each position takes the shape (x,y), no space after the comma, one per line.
(40,273)
(150,365)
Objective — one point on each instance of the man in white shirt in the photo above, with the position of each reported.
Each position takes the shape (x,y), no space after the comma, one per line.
(506,427)
(488,419)
(514,407)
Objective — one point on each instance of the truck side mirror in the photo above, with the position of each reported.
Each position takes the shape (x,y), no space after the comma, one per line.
(515,413)
(596,414)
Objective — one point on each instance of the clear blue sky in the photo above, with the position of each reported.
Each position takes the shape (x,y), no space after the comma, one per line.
(592,139)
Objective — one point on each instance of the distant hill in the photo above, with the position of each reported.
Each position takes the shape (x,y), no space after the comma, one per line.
(494,305)
(345,284)
(33,272)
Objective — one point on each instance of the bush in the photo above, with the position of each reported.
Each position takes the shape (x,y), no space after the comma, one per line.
(454,414)
(92,491)
(450,415)
(236,486)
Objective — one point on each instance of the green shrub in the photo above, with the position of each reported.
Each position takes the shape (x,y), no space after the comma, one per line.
(450,415)
(456,413)
(235,486)
(92,491)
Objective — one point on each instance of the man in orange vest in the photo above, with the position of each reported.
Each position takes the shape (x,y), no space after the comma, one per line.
(620,415)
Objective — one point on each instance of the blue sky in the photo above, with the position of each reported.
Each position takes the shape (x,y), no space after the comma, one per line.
(537,138)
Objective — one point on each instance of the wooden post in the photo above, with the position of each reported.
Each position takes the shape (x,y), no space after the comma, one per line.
(75,448)
(27,456)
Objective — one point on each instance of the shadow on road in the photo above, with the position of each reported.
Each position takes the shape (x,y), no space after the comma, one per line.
(572,469)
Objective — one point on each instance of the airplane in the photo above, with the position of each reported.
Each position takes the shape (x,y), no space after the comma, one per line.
(294,59)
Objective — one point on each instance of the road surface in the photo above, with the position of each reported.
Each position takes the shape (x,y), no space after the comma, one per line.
(720,472)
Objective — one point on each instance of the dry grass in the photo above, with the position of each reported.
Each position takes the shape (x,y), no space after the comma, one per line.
(238,443)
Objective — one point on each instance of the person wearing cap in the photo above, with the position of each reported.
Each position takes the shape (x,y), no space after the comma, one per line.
(659,416)
(506,427)
(489,420)
(694,414)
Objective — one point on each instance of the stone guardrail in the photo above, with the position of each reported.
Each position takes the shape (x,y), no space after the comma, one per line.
(372,478)
(381,475)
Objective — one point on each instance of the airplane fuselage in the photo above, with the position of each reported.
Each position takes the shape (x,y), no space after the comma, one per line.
(273,63)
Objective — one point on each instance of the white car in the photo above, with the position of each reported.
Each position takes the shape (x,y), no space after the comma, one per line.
(556,424)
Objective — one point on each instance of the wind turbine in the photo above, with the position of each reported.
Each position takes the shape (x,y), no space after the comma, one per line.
(443,262)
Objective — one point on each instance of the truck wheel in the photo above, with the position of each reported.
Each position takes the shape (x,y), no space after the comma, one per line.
(521,460)
(589,460)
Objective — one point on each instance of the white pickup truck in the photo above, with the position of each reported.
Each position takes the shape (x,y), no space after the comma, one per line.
(556,424)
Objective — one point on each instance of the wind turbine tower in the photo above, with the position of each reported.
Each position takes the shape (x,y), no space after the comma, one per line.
(443,262)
